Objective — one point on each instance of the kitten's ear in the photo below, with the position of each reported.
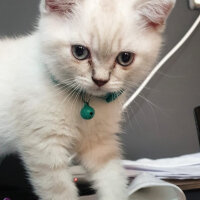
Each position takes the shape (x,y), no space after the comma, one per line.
(154,13)
(57,6)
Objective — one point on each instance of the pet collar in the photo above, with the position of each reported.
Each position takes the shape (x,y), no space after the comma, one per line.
(87,112)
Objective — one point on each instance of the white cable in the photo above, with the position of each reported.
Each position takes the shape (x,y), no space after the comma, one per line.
(162,62)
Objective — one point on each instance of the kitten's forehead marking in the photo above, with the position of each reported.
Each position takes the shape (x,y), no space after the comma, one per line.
(104,25)
(107,42)
(107,6)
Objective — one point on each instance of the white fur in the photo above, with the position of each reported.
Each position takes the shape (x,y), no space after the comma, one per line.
(42,121)
(110,182)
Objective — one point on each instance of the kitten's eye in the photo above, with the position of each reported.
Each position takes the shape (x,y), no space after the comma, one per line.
(80,52)
(125,58)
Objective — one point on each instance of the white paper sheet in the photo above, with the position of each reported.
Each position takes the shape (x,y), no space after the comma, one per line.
(183,167)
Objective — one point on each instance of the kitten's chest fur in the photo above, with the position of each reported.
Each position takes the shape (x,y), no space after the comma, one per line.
(59,119)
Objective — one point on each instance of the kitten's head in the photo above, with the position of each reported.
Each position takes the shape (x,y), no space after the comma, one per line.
(102,46)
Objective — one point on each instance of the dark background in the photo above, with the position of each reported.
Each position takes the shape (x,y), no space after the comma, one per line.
(161,126)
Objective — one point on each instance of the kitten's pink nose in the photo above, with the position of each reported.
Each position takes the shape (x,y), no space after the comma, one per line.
(100,82)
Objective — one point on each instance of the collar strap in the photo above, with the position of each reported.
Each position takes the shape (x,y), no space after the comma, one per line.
(109,97)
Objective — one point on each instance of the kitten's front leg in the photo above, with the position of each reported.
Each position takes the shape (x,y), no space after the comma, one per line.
(110,181)
(47,165)
(102,159)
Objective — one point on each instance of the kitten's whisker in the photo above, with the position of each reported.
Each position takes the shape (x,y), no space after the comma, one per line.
(66,88)
(75,98)
(71,94)
(67,91)
(133,84)
(169,76)
(139,108)
(148,101)
(66,98)
(60,86)
(135,119)
(152,106)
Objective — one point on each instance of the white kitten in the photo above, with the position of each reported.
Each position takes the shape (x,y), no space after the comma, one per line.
(95,46)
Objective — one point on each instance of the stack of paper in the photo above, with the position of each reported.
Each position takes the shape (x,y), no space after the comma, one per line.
(183,167)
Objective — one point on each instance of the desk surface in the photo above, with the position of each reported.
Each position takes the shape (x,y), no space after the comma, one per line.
(186,184)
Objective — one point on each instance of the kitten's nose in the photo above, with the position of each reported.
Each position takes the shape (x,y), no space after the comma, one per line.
(99,82)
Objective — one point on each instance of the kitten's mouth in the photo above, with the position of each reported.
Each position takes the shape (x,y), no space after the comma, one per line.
(97,92)
(101,92)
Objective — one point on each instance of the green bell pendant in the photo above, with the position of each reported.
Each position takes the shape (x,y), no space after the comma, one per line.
(87,112)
